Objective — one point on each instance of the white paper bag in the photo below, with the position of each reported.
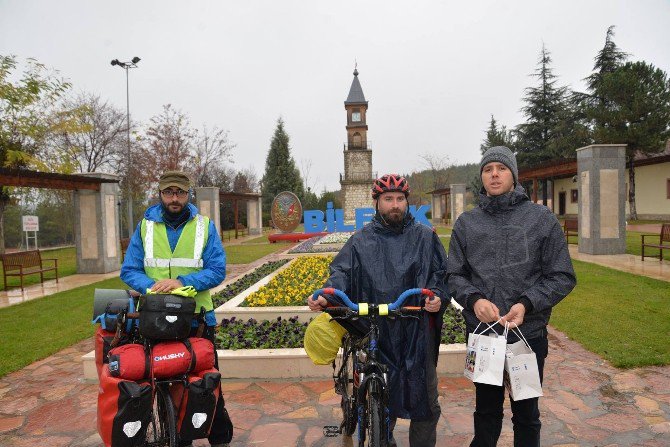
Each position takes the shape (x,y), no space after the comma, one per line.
(522,377)
(485,358)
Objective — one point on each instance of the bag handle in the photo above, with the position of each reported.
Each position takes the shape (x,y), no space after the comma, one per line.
(517,331)
(489,326)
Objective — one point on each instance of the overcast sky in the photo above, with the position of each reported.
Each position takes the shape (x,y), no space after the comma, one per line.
(432,71)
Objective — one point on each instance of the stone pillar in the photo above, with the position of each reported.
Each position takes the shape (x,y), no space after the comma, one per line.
(602,199)
(207,201)
(436,210)
(457,200)
(96,227)
(255,216)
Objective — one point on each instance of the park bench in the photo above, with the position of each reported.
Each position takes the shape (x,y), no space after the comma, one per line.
(570,228)
(23,263)
(663,243)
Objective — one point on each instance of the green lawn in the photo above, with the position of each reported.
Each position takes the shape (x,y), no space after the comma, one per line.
(257,240)
(442,229)
(67,265)
(244,254)
(35,329)
(623,317)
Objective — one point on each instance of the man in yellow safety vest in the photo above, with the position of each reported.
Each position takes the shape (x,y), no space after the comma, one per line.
(174,246)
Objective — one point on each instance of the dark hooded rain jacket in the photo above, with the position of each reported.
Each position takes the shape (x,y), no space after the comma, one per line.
(505,250)
(376,265)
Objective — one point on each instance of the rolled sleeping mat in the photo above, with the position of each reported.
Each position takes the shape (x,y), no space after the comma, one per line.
(102,297)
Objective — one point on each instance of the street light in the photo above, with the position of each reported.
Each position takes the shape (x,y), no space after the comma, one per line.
(127,66)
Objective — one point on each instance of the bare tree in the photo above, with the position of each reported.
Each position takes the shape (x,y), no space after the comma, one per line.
(211,149)
(96,137)
(437,168)
(305,171)
(170,143)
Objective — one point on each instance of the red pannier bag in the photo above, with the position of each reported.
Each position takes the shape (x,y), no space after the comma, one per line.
(196,404)
(103,340)
(168,359)
(129,362)
(124,411)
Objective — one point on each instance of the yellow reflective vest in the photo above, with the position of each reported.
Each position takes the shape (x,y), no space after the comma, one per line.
(160,262)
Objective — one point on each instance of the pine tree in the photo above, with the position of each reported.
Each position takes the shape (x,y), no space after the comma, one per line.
(281,173)
(598,106)
(637,114)
(496,136)
(544,105)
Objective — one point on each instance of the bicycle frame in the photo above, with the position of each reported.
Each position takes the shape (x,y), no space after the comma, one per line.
(372,389)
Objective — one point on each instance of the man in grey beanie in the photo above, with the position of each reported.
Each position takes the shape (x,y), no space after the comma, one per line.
(508,260)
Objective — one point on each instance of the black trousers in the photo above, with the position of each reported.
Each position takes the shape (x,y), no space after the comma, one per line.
(488,415)
(222,429)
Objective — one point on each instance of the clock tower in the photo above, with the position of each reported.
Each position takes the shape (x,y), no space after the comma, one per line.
(356,183)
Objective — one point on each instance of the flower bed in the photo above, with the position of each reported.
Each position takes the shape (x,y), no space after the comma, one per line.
(276,334)
(335,238)
(282,333)
(309,246)
(241,284)
(292,286)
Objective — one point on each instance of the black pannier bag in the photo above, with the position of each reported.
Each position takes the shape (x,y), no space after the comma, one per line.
(197,404)
(165,316)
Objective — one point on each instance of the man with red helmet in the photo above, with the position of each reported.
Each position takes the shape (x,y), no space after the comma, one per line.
(391,254)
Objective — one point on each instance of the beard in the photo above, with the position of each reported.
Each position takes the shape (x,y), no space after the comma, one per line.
(174,208)
(393,217)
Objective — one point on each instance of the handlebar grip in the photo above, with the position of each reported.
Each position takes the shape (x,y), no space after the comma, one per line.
(338,293)
(429,293)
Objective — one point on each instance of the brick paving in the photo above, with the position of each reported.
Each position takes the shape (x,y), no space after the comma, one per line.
(587,403)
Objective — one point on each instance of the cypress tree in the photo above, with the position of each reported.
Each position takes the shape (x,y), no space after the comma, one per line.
(281,173)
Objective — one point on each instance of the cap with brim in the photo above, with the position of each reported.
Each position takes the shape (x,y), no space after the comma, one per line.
(174,178)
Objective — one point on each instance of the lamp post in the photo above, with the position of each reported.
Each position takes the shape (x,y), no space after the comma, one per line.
(127,66)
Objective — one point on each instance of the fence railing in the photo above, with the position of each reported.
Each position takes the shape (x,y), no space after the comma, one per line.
(357,145)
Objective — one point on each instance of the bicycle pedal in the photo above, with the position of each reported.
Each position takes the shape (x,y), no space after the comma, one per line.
(331,431)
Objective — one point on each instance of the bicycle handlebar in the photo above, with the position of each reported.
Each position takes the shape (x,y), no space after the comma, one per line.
(355,306)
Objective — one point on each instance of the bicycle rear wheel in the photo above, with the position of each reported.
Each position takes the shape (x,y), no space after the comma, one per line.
(162,429)
(345,386)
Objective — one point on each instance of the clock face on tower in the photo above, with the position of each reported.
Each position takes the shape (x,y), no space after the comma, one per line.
(356,117)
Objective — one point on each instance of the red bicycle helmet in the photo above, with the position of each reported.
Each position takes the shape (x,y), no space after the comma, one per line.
(390,183)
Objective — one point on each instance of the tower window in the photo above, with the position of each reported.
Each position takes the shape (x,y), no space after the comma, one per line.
(357,140)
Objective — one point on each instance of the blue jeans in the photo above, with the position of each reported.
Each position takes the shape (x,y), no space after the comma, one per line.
(488,415)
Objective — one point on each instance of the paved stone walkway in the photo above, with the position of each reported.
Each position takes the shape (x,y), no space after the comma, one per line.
(587,403)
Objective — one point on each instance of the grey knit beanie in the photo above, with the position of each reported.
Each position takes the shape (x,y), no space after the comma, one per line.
(502,155)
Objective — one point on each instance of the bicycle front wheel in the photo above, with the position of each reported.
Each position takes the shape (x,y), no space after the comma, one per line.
(376,422)
(162,429)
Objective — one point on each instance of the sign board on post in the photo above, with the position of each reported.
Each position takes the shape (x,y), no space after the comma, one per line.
(31,223)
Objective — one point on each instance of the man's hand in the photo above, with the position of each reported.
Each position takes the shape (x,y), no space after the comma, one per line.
(318,305)
(434,304)
(515,315)
(166,285)
(486,311)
